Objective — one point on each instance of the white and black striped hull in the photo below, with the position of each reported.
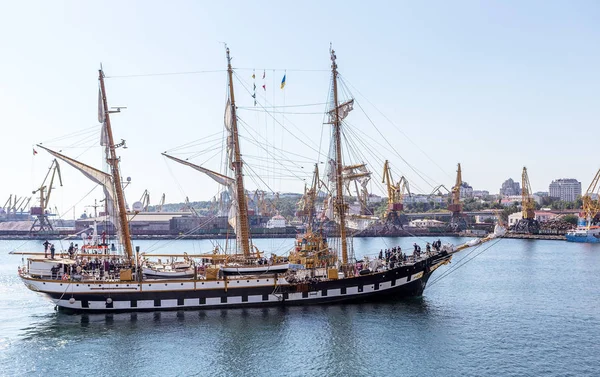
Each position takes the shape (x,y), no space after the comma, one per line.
(404,281)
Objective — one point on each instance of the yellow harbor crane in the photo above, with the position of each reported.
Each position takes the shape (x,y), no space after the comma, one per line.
(41,223)
(591,206)
(528,224)
(457,222)
(395,195)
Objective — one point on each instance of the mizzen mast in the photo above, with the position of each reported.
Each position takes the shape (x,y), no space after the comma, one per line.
(113,161)
(243,237)
(340,206)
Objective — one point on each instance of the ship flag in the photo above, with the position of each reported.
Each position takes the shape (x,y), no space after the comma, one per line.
(283,81)
(34,152)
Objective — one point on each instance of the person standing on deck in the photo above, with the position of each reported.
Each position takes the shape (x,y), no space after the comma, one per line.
(46,244)
(52,250)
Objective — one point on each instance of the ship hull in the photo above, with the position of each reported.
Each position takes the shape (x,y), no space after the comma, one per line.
(401,282)
(584,235)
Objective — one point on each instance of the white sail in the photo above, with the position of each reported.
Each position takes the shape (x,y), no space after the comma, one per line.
(228,118)
(217,177)
(93,174)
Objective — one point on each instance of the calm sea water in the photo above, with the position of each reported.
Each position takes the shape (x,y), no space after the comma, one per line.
(520,308)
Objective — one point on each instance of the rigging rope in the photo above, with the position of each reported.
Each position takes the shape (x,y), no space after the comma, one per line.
(449,271)
(165,74)
(397,128)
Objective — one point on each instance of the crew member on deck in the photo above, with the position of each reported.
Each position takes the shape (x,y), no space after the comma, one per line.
(46,244)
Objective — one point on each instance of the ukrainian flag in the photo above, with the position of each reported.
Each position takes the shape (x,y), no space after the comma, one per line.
(283,82)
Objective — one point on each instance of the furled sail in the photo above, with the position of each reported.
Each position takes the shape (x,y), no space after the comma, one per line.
(102,120)
(228,120)
(93,174)
(343,110)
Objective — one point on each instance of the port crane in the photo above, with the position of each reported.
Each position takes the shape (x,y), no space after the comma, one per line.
(41,223)
(24,204)
(591,206)
(145,200)
(7,205)
(161,204)
(527,224)
(395,195)
(457,222)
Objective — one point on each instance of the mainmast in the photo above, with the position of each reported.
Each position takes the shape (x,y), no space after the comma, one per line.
(340,206)
(113,161)
(242,215)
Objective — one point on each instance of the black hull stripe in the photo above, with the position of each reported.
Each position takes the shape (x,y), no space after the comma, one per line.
(412,289)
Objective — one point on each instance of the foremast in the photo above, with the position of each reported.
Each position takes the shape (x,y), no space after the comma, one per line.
(113,162)
(242,231)
(340,206)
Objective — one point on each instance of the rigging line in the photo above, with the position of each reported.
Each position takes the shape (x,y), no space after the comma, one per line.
(284,106)
(282,69)
(284,112)
(373,152)
(377,183)
(152,249)
(366,135)
(258,157)
(83,143)
(387,141)
(87,149)
(259,178)
(328,100)
(194,141)
(278,122)
(82,140)
(185,150)
(287,151)
(80,200)
(218,149)
(258,144)
(73,134)
(464,263)
(211,148)
(165,74)
(397,128)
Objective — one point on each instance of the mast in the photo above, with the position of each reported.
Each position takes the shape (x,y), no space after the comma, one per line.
(113,161)
(312,195)
(244,234)
(340,206)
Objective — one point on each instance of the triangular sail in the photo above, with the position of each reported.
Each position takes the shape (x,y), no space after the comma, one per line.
(93,174)
(217,177)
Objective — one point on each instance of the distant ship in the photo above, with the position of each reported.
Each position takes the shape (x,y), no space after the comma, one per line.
(588,229)
(584,234)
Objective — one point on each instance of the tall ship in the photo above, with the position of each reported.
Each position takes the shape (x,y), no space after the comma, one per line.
(588,227)
(317,271)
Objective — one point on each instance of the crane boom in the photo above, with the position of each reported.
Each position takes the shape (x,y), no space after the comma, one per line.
(591,207)
(42,223)
(527,202)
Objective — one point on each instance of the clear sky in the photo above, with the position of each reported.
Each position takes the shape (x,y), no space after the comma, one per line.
(495,85)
